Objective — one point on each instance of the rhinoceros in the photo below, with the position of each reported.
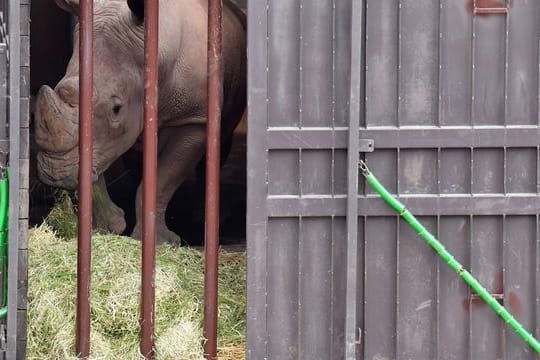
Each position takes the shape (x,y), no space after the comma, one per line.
(118,100)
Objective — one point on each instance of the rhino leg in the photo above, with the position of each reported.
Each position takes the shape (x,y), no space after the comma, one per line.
(106,215)
(181,149)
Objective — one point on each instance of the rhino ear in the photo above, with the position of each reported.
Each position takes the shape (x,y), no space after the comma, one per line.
(137,8)
(69,5)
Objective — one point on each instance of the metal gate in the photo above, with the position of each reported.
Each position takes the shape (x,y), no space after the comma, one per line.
(14,149)
(149,11)
(449,93)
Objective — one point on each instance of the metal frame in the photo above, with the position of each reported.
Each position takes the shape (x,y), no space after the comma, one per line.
(14,34)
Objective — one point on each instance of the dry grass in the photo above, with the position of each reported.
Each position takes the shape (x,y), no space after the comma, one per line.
(115,299)
(232,351)
(63,217)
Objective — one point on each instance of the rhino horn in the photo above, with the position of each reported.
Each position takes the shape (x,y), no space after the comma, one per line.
(137,8)
(69,5)
(56,129)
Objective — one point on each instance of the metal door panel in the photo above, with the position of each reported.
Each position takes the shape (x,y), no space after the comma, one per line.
(450,100)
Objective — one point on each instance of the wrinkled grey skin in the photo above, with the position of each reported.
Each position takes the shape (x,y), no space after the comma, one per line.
(118,100)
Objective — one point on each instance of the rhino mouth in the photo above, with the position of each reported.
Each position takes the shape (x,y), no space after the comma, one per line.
(60,169)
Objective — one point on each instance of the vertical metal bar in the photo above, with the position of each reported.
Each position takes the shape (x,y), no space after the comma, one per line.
(538,78)
(504,339)
(537,276)
(357,39)
(151,40)
(333,309)
(14,26)
(399,111)
(362,306)
(399,91)
(86,70)
(301,256)
(506,60)
(396,285)
(215,87)
(257,217)
(334,283)
(438,293)
(537,248)
(472,219)
(473,85)
(439,173)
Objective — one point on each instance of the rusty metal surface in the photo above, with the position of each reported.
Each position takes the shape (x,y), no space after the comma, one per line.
(86,63)
(491,7)
(151,37)
(214,100)
(488,11)
(452,106)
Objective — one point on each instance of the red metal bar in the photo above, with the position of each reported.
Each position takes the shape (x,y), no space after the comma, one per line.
(85,179)
(86,69)
(149,176)
(215,86)
(476,297)
(488,11)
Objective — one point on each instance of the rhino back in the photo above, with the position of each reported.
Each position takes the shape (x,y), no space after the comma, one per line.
(183,63)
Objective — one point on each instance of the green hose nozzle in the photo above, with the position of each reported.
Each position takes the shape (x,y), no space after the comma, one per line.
(449,258)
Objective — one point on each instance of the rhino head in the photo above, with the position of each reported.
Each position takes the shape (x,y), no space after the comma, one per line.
(117,96)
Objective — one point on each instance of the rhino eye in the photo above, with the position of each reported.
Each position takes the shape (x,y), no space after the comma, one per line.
(116,109)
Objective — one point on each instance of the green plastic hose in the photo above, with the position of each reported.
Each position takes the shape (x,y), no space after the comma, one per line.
(449,258)
(4,207)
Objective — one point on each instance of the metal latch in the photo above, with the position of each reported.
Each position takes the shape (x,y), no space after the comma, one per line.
(366,145)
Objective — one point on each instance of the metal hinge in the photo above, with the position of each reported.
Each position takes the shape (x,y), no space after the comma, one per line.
(4,158)
(3,337)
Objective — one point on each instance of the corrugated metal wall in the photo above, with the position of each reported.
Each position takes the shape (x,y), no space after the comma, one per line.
(452,104)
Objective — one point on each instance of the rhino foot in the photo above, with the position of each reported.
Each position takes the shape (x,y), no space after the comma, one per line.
(110,219)
(107,217)
(163,236)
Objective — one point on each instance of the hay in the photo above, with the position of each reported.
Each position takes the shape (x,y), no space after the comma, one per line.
(63,217)
(115,299)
